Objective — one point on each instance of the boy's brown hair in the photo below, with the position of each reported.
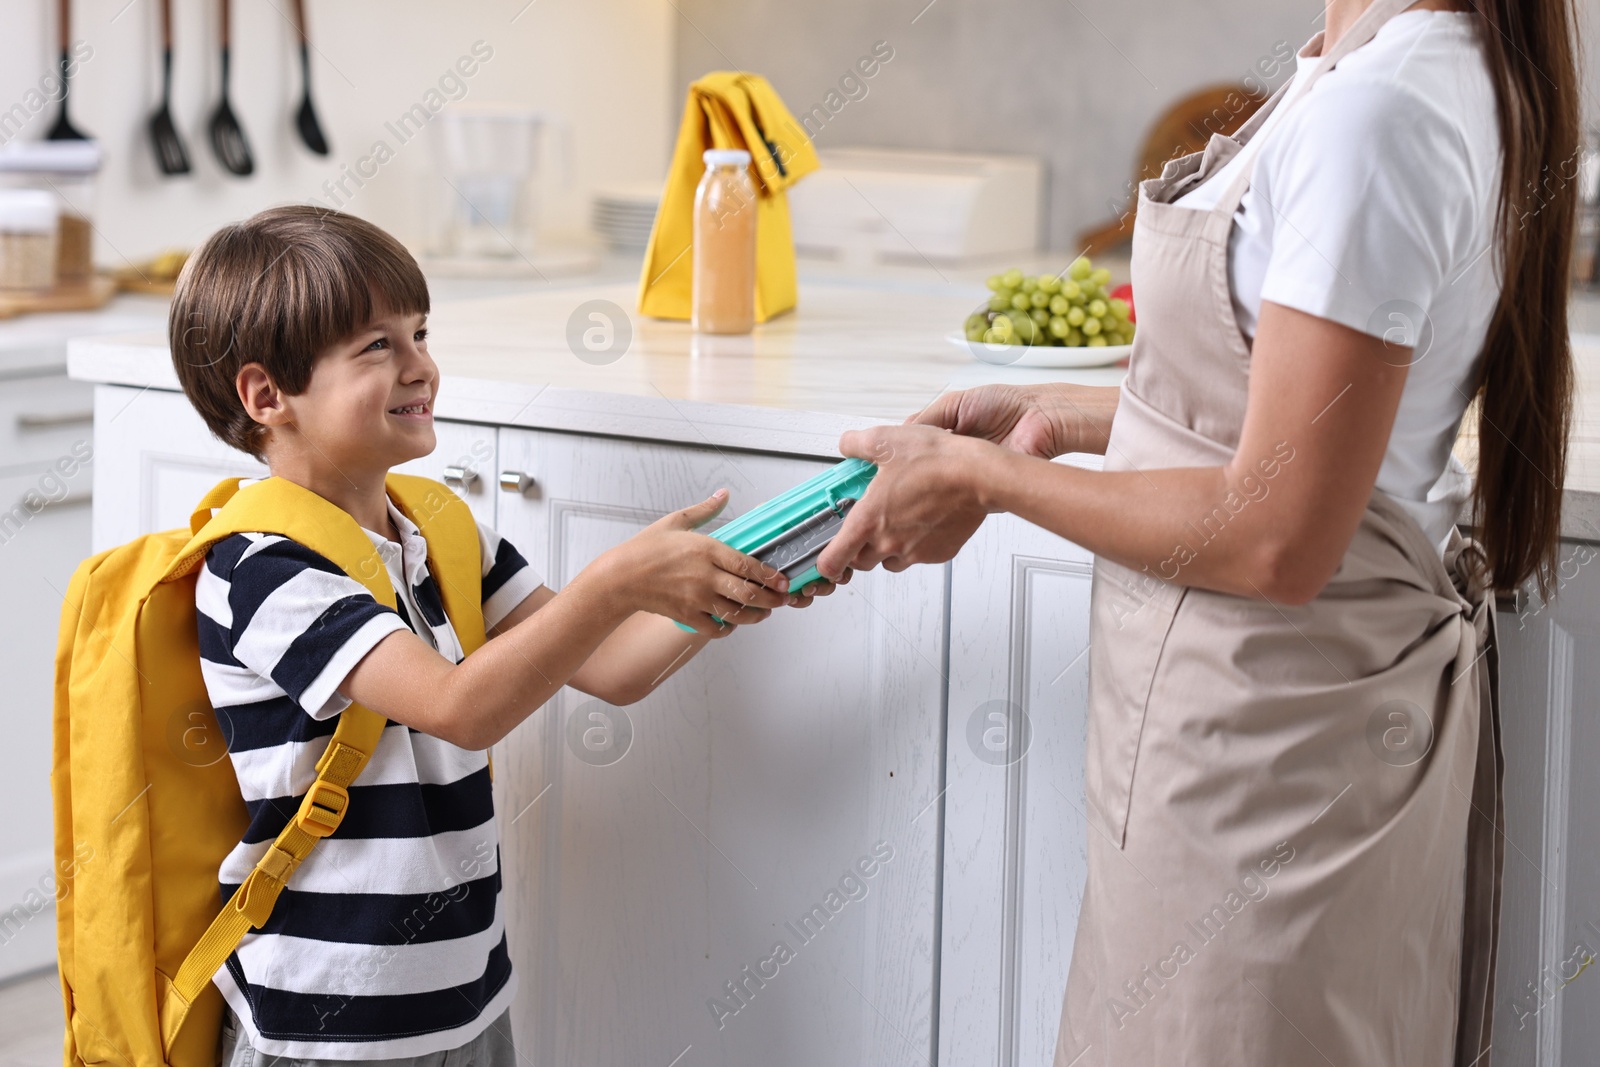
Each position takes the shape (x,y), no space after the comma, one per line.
(277,289)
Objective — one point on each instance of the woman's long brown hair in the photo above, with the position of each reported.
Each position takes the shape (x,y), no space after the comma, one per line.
(1525,385)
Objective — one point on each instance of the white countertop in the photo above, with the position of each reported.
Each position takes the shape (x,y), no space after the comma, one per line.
(852,355)
(856,352)
(37,344)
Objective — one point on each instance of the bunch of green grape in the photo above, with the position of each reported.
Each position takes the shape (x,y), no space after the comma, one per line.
(1071,309)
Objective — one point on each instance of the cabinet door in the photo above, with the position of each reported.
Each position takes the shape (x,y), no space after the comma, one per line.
(464,459)
(44,532)
(1014,849)
(657,856)
(46,453)
(155,459)
(1546,1011)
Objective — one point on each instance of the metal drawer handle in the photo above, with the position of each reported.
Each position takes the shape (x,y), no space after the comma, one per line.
(461,477)
(71,499)
(47,422)
(515,481)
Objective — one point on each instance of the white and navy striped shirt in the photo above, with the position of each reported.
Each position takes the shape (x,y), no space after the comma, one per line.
(389,940)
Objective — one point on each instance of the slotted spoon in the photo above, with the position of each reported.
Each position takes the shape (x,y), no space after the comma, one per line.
(171,156)
(305,120)
(227,136)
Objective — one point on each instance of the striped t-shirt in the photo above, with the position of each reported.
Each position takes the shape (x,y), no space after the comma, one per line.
(389,940)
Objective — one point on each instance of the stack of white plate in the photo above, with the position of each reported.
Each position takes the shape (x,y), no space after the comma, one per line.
(623,214)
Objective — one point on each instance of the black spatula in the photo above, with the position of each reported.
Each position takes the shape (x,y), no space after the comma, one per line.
(171,156)
(64,130)
(227,136)
(305,120)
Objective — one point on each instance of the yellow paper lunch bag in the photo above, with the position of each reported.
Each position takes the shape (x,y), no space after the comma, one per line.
(728,109)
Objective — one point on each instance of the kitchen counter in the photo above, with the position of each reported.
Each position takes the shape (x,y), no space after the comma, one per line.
(642,888)
(854,356)
(36,344)
(857,353)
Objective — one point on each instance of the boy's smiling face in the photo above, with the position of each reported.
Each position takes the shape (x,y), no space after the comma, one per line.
(368,406)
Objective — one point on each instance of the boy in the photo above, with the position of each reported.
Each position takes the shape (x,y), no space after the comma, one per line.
(299,337)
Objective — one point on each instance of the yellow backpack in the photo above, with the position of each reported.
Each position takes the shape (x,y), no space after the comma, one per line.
(145,811)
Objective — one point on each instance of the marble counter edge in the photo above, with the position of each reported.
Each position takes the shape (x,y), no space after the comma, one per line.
(534,406)
(742,427)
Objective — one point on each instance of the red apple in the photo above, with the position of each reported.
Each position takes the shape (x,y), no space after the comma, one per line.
(1125,292)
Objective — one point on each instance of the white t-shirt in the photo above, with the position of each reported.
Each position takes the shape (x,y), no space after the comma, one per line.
(1372,205)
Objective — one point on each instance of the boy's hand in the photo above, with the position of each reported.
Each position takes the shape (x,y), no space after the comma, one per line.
(669,569)
(817,587)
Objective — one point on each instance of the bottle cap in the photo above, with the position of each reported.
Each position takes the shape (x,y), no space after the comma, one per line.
(727,157)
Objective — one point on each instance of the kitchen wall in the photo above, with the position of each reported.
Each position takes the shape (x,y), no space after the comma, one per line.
(1076,83)
(602,66)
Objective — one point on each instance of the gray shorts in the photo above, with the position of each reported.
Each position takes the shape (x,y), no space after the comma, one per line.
(492,1048)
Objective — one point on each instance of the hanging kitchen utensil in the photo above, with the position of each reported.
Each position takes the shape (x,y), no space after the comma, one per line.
(227,136)
(171,156)
(63,130)
(305,119)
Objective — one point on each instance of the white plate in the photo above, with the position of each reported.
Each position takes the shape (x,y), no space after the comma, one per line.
(1040,355)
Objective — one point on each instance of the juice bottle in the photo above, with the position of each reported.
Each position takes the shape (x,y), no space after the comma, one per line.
(724,294)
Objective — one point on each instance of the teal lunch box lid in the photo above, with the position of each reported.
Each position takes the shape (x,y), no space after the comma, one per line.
(798,523)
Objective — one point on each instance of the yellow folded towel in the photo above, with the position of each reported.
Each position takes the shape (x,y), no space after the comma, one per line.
(728,109)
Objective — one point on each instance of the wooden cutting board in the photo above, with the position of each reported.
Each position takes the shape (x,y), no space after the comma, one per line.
(92,294)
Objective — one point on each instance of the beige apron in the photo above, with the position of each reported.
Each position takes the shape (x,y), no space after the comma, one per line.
(1294,847)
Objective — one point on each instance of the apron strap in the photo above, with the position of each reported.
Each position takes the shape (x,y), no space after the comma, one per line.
(1364,29)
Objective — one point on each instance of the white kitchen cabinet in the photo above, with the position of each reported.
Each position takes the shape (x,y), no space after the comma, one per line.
(156,460)
(46,452)
(36,563)
(1014,848)
(162,460)
(1014,853)
(465,459)
(1547,1000)
(639,887)
(654,853)
(41,419)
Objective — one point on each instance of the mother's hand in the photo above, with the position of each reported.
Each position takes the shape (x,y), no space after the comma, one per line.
(1011,416)
(922,505)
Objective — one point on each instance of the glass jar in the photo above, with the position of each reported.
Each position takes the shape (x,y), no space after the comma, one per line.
(28,228)
(724,293)
(492,158)
(66,171)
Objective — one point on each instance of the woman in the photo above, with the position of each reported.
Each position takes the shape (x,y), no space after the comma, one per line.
(1293,763)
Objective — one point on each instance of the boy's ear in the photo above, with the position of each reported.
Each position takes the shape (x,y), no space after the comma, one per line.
(262,399)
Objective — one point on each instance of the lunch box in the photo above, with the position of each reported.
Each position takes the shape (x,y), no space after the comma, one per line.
(790,531)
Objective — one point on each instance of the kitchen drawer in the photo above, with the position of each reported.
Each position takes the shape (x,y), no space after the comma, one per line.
(42,419)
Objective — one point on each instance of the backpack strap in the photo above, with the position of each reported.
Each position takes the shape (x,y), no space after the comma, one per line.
(321,812)
(454,556)
(278,506)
